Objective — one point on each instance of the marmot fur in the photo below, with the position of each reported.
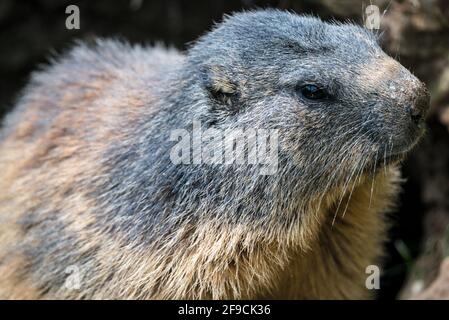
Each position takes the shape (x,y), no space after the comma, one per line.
(88,182)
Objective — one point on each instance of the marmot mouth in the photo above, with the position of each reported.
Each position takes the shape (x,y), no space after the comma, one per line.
(383,161)
(396,156)
(391,159)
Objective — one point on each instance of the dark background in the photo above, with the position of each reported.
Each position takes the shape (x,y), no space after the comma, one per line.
(415,31)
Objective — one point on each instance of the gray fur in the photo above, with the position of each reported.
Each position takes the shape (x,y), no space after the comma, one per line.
(139,195)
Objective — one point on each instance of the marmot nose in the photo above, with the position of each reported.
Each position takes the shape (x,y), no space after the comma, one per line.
(418,109)
(415,114)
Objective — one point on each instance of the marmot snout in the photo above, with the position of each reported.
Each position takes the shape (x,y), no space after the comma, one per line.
(89,183)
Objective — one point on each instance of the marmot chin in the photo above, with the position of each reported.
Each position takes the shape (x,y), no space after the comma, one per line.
(88,184)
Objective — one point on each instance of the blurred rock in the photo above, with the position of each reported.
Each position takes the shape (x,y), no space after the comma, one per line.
(439,288)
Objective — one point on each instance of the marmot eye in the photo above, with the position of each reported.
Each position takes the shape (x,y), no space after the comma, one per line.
(313,92)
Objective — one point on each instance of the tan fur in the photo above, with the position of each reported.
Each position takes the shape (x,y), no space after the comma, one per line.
(309,257)
(382,70)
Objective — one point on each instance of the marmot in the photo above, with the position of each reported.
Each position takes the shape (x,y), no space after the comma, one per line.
(88,182)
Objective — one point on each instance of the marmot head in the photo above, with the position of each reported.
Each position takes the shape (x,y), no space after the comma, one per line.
(341,105)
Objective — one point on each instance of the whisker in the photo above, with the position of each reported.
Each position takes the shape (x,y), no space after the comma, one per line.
(372,179)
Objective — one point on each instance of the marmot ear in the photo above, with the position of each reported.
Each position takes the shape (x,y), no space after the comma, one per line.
(220,85)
